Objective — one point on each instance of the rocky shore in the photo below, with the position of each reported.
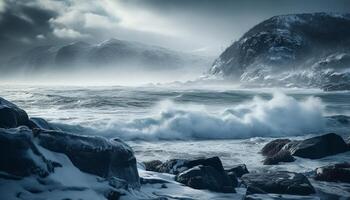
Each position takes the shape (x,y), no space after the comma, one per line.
(40,161)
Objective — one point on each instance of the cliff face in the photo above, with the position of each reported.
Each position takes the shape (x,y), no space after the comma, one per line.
(306,50)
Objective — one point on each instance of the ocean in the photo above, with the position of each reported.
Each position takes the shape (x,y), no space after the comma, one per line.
(165,122)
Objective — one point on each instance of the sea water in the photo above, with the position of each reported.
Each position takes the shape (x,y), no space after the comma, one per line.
(163,122)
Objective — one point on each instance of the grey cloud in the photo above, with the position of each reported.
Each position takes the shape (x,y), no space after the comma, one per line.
(205,26)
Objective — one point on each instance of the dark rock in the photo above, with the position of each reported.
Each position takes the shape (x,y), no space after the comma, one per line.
(334,173)
(19,156)
(95,155)
(36,122)
(274,147)
(238,170)
(11,116)
(206,177)
(176,166)
(281,156)
(233,178)
(113,195)
(317,147)
(152,181)
(152,165)
(118,183)
(279,182)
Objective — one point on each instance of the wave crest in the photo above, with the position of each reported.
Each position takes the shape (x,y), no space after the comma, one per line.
(282,115)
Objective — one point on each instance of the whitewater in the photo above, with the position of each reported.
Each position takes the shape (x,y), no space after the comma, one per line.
(170,113)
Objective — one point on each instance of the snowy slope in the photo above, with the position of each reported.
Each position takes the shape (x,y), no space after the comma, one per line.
(302,50)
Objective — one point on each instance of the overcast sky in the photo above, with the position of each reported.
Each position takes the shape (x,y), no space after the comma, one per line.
(201,26)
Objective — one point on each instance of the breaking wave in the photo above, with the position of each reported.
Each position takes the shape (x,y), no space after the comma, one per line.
(281,115)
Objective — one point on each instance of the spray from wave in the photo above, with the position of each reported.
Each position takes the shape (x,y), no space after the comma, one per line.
(279,116)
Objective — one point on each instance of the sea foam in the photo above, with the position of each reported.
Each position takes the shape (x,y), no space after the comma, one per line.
(279,116)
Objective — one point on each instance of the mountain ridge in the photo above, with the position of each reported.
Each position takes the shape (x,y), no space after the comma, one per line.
(113,53)
(290,50)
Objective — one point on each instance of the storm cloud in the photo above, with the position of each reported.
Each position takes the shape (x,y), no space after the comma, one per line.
(198,26)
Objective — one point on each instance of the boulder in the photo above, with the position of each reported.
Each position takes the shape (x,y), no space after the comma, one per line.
(152,165)
(11,116)
(20,157)
(238,170)
(317,147)
(206,177)
(95,155)
(274,147)
(176,166)
(334,173)
(277,182)
(281,156)
(233,178)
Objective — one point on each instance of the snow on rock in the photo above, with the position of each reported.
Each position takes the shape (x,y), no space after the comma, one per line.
(299,50)
(20,156)
(95,155)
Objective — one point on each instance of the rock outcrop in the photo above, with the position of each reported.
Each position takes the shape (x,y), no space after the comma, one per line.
(283,150)
(280,182)
(281,156)
(238,170)
(317,147)
(175,166)
(11,116)
(206,177)
(334,173)
(152,165)
(19,155)
(296,50)
(95,155)
(274,147)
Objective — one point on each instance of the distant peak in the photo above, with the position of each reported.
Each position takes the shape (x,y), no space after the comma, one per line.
(79,43)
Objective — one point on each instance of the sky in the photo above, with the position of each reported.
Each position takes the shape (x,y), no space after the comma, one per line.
(204,27)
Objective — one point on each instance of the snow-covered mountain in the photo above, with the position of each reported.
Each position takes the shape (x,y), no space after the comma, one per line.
(297,50)
(113,53)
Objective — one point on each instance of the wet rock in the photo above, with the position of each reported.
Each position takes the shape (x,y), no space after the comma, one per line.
(95,155)
(334,173)
(11,116)
(152,165)
(36,122)
(20,157)
(206,177)
(278,182)
(176,166)
(233,178)
(273,147)
(118,183)
(317,147)
(238,170)
(281,156)
(152,181)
